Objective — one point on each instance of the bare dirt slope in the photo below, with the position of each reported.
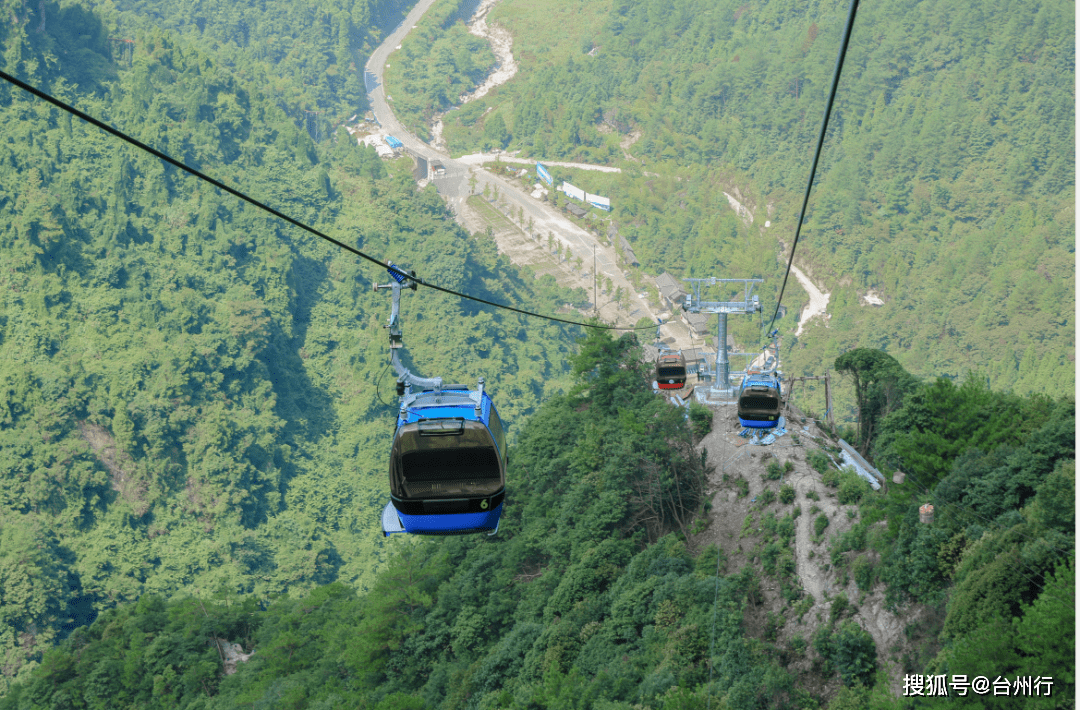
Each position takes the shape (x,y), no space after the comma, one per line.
(734,460)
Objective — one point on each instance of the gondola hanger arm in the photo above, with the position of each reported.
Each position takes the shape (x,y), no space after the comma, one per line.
(405,378)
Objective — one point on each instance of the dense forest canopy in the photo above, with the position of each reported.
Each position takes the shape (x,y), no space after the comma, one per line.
(589,597)
(189,399)
(195,410)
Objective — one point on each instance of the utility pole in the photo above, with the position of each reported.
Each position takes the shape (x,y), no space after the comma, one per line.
(828,401)
(721,388)
(595,304)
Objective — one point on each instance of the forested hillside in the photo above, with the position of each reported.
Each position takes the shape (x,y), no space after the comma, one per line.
(302,55)
(440,61)
(589,597)
(195,409)
(189,399)
(568,601)
(997,564)
(946,186)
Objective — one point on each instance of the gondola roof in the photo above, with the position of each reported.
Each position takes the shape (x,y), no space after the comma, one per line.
(450,403)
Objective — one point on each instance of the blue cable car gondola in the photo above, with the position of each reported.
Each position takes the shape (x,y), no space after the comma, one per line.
(447,464)
(759,400)
(760,394)
(448,459)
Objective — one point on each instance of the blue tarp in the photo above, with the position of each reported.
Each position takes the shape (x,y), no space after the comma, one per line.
(770,435)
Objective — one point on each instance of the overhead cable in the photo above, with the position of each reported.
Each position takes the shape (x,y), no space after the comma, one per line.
(817,151)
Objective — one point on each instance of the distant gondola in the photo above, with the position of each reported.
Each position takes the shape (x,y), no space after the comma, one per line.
(670,371)
(448,459)
(760,400)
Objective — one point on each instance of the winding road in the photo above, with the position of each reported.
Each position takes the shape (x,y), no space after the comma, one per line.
(454,184)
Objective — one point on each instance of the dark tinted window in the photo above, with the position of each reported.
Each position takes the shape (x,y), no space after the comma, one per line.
(450,464)
(423,465)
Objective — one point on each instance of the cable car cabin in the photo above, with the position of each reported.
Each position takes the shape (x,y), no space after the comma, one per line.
(759,400)
(670,371)
(447,465)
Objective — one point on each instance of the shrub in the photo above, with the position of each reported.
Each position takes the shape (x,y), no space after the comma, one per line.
(767,496)
(786,564)
(820,523)
(798,645)
(812,495)
(782,529)
(789,466)
(701,418)
(852,487)
(743,487)
(773,625)
(787,494)
(864,572)
(769,556)
(747,525)
(818,460)
(854,539)
(823,642)
(773,471)
(831,478)
(796,512)
(838,607)
(854,654)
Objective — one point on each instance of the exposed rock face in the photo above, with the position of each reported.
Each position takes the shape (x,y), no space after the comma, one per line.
(231,654)
(121,467)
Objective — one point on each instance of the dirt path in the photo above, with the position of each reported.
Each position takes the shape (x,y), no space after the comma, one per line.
(505,66)
(741,210)
(629,141)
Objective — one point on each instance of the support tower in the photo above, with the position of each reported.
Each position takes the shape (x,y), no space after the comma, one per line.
(721,388)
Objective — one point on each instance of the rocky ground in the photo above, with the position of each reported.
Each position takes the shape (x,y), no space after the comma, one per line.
(734,460)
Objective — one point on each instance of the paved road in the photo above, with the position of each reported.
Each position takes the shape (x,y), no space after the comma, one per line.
(481,158)
(454,185)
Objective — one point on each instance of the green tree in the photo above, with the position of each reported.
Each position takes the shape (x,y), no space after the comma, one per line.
(495,131)
(853,653)
(880,386)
